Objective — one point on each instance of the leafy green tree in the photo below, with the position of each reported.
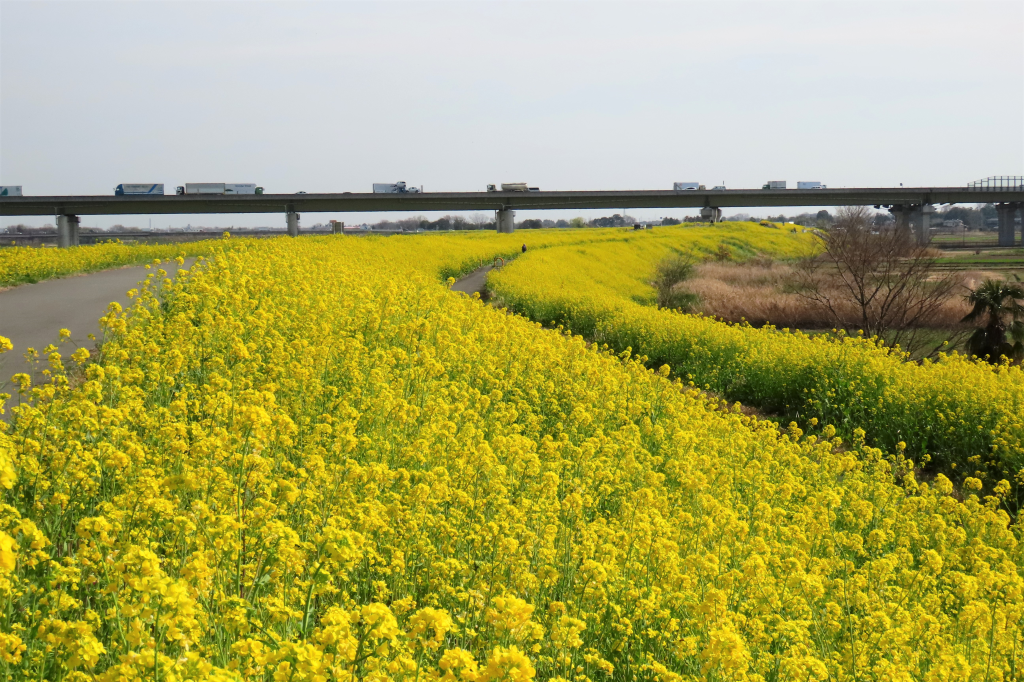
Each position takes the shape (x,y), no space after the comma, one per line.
(672,271)
(996,302)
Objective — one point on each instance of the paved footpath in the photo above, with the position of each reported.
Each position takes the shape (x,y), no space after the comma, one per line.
(32,315)
(475,282)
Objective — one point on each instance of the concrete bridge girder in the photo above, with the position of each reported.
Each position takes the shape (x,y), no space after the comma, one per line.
(292,219)
(481,201)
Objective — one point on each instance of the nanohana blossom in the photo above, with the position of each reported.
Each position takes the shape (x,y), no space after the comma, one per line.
(309,459)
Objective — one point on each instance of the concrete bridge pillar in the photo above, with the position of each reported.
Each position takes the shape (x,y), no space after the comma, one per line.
(921,222)
(293,223)
(1018,207)
(504,218)
(1007,215)
(711,214)
(67,231)
(902,215)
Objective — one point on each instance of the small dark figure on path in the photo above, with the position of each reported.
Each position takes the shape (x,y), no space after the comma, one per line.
(524,248)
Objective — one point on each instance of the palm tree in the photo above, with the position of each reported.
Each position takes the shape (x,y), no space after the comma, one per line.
(1004,332)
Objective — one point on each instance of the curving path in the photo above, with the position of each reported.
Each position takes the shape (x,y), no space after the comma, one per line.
(32,315)
(473,283)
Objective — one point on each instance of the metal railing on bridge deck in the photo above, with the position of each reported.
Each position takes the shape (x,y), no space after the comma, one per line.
(1007,183)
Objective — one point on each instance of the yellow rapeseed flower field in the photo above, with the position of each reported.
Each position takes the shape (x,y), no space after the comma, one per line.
(965,416)
(305,459)
(20,265)
(24,264)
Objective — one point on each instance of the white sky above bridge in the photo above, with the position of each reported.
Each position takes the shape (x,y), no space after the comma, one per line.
(331,97)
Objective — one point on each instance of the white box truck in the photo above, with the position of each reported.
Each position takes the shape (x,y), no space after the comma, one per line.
(220,188)
(204,188)
(394,188)
(809,184)
(10,190)
(775,184)
(685,185)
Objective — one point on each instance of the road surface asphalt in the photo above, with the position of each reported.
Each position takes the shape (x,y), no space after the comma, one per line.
(32,315)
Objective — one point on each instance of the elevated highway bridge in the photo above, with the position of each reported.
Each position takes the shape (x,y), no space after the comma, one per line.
(911,206)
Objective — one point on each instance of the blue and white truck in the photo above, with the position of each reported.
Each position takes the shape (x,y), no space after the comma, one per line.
(139,189)
(10,190)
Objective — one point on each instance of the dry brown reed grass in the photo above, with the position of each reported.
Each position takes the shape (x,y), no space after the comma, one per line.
(761,291)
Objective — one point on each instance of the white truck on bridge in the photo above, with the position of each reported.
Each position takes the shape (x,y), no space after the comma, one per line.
(10,191)
(220,188)
(513,187)
(677,186)
(775,184)
(810,184)
(394,188)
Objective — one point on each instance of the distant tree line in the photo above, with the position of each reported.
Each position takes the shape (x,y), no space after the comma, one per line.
(445,223)
(537,223)
(613,221)
(30,229)
(977,217)
(480,222)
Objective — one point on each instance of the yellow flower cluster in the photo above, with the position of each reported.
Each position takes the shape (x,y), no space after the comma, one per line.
(19,265)
(24,264)
(307,460)
(963,414)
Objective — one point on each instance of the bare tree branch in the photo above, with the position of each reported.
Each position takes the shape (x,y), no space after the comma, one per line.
(875,278)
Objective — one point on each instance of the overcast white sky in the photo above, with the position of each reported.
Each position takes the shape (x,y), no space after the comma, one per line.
(333,96)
